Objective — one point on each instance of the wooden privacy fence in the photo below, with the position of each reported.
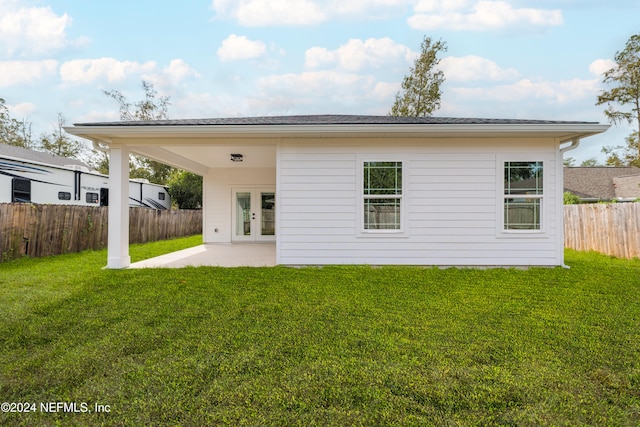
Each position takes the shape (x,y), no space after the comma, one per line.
(44,230)
(611,229)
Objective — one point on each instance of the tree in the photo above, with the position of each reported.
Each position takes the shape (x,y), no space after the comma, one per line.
(625,78)
(570,198)
(185,189)
(420,94)
(59,143)
(150,108)
(590,163)
(624,155)
(12,131)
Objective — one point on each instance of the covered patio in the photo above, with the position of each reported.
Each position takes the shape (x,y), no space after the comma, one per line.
(238,166)
(215,255)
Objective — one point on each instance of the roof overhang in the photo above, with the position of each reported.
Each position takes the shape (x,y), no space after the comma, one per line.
(199,145)
(204,134)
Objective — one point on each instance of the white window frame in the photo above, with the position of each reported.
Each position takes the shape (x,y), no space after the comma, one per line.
(361,197)
(501,197)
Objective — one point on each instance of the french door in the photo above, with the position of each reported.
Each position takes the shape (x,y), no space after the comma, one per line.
(254,214)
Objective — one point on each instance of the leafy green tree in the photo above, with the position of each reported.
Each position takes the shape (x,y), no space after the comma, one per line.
(625,79)
(152,107)
(12,131)
(185,189)
(421,92)
(99,162)
(570,198)
(621,155)
(590,163)
(59,143)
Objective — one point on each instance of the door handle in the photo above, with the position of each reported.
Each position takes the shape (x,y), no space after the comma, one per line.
(253,216)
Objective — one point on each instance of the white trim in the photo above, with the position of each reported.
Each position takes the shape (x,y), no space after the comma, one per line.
(559,181)
(256,221)
(278,197)
(360,197)
(118,234)
(104,133)
(500,197)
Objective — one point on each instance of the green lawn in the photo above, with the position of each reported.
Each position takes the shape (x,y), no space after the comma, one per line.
(350,345)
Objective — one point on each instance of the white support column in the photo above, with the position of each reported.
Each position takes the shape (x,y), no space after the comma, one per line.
(118,244)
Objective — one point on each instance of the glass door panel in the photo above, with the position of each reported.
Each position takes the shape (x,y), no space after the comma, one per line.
(268,214)
(243,213)
(254,214)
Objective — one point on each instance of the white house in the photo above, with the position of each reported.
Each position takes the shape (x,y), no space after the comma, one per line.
(334,189)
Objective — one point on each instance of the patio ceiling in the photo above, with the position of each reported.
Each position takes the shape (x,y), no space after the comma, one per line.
(200,158)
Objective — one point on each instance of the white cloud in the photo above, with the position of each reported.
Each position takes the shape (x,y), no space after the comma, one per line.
(255,13)
(179,70)
(526,91)
(472,68)
(364,8)
(384,90)
(32,30)
(271,12)
(236,48)
(90,70)
(312,81)
(601,66)
(357,55)
(322,91)
(429,6)
(479,15)
(25,72)
(23,109)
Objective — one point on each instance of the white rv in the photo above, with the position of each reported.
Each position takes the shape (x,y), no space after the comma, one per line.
(33,177)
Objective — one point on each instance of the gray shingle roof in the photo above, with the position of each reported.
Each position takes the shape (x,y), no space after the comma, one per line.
(37,156)
(329,119)
(595,182)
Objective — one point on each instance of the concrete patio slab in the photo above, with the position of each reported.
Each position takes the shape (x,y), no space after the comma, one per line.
(215,254)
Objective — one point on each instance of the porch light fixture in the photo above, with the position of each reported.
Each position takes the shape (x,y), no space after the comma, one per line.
(236,157)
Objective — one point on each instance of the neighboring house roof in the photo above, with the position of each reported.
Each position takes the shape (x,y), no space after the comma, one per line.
(37,156)
(627,187)
(602,183)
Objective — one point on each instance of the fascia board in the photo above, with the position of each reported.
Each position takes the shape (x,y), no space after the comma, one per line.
(566,131)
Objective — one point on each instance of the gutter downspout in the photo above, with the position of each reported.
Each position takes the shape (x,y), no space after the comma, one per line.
(575,142)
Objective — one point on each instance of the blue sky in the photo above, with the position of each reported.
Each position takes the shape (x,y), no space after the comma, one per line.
(537,59)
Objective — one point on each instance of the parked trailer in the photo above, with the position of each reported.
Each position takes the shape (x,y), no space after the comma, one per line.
(34,182)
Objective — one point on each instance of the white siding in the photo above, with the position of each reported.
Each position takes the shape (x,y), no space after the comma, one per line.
(218,185)
(452,201)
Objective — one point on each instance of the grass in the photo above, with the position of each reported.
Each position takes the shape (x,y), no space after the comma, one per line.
(349,345)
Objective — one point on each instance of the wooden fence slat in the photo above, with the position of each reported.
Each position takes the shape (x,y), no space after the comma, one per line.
(44,230)
(611,229)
